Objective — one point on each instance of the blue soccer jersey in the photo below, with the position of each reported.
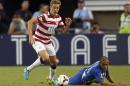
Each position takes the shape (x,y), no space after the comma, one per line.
(93,73)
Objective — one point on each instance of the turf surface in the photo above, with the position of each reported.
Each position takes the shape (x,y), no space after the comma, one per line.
(13,76)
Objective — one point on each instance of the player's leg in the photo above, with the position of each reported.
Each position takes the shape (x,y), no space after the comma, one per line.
(53,66)
(40,49)
(52,71)
(52,59)
(77,78)
(36,63)
(42,54)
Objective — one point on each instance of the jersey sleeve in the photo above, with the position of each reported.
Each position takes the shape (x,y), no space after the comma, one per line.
(41,18)
(97,76)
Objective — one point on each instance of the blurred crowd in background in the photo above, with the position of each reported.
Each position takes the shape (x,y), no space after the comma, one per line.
(83,19)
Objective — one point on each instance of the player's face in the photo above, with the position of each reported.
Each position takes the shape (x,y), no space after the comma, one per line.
(105,65)
(54,9)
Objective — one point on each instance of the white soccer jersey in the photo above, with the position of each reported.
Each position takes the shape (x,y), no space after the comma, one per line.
(46,26)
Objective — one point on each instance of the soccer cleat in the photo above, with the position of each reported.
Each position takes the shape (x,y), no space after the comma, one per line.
(26,74)
(48,80)
(54,83)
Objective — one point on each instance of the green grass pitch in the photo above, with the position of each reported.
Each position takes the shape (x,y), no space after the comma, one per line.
(13,76)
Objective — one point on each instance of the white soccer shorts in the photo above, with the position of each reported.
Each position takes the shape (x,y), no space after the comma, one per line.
(38,46)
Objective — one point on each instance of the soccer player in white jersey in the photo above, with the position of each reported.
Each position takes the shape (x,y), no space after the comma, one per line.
(41,40)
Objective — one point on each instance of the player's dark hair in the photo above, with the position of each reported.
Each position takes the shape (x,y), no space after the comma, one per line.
(104,59)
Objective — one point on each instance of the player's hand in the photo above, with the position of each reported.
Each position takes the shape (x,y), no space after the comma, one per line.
(68,21)
(122,84)
(31,40)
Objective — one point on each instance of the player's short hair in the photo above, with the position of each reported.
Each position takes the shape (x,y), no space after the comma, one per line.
(104,59)
(55,2)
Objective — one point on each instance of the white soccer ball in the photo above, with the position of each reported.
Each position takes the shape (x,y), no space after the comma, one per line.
(63,80)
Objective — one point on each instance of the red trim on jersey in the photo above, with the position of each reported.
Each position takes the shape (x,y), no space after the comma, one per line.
(49,42)
(42,25)
(51,22)
(51,16)
(47,22)
(43,33)
(44,19)
(40,37)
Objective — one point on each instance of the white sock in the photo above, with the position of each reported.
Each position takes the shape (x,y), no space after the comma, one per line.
(52,73)
(35,64)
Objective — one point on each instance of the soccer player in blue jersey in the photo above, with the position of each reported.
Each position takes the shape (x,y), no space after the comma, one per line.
(95,73)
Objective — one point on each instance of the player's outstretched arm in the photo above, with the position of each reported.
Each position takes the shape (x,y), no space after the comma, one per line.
(107,84)
(103,83)
(30,29)
(109,79)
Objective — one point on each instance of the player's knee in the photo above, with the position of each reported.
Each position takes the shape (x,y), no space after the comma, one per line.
(53,66)
(54,61)
(44,56)
(42,61)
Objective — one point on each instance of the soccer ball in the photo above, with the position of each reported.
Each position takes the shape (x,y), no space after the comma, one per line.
(63,80)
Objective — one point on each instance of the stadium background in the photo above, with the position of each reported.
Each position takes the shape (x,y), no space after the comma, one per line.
(11,69)
(13,5)
(112,8)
